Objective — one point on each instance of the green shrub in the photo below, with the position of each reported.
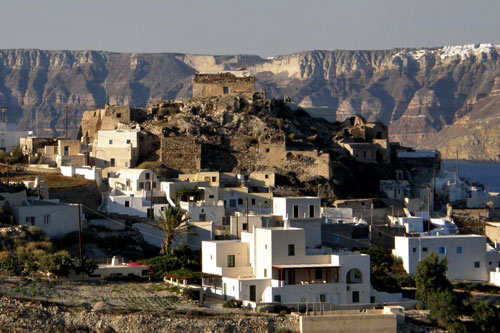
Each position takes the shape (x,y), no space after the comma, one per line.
(443,309)
(485,316)
(191,294)
(232,304)
(58,264)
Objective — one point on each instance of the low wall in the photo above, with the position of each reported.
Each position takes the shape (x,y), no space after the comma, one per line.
(362,322)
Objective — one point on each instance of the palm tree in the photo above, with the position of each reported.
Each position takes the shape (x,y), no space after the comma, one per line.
(173,224)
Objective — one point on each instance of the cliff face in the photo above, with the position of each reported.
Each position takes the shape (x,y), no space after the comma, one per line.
(423,95)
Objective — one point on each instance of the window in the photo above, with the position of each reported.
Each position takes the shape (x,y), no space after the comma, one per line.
(214,179)
(477,264)
(240,201)
(311,211)
(30,220)
(225,90)
(146,175)
(118,115)
(442,250)
(459,249)
(211,196)
(66,150)
(127,203)
(202,217)
(354,276)
(414,249)
(266,176)
(291,249)
(154,184)
(268,150)
(253,201)
(295,211)
(46,219)
(232,203)
(112,162)
(318,275)
(336,239)
(322,298)
(110,142)
(265,272)
(245,226)
(424,249)
(277,298)
(128,141)
(126,164)
(230,260)
(355,296)
(265,246)
(127,182)
(141,186)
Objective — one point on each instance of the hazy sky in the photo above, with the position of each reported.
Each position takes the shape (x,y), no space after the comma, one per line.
(263,27)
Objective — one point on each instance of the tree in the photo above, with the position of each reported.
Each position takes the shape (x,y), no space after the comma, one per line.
(430,277)
(173,224)
(443,309)
(485,316)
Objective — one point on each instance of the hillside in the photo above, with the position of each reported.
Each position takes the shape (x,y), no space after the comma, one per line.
(417,92)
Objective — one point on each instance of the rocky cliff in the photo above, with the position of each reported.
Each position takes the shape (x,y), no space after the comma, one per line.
(434,97)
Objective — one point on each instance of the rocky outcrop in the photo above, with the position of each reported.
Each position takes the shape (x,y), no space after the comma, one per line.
(424,95)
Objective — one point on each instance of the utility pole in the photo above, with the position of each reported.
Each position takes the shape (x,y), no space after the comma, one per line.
(151,213)
(80,244)
(8,172)
(66,112)
(3,110)
(247,215)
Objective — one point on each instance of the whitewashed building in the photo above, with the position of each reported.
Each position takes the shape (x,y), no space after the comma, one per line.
(466,254)
(10,135)
(132,190)
(53,218)
(271,265)
(301,212)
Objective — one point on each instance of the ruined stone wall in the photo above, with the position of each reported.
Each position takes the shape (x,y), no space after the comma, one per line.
(208,85)
(311,162)
(109,118)
(181,154)
(272,154)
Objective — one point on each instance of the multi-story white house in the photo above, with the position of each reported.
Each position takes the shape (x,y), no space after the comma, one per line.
(132,190)
(116,148)
(466,254)
(271,265)
(301,212)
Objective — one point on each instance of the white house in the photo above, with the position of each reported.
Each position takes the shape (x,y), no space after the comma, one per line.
(132,190)
(301,212)
(10,135)
(270,265)
(54,219)
(466,254)
(116,148)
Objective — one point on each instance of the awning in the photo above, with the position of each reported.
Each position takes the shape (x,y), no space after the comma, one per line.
(304,266)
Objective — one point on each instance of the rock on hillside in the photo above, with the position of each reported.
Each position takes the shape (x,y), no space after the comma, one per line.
(417,92)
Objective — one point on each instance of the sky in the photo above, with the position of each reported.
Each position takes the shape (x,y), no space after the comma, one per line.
(262,27)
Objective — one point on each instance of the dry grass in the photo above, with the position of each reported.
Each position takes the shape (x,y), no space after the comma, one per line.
(54,181)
